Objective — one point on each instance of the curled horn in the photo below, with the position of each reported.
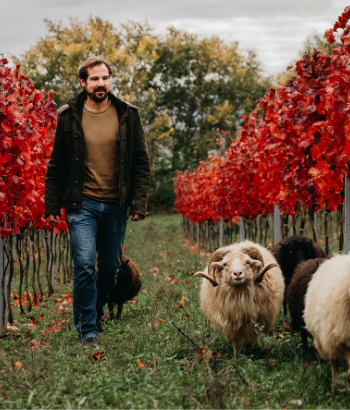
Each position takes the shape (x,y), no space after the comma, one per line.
(261,274)
(217,256)
(204,275)
(254,253)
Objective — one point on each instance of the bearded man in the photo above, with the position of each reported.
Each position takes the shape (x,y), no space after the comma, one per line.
(99,166)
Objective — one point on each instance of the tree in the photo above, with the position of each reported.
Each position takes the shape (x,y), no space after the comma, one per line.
(185,86)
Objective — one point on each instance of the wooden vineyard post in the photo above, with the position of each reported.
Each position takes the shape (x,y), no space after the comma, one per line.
(3,275)
(347,217)
(3,287)
(52,239)
(315,226)
(207,234)
(241,229)
(221,233)
(276,225)
(197,235)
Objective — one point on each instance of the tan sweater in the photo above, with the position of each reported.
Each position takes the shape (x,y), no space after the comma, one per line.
(102,151)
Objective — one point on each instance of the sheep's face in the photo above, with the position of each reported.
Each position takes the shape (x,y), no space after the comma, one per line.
(236,269)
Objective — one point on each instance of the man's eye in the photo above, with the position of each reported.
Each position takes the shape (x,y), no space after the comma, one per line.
(247,262)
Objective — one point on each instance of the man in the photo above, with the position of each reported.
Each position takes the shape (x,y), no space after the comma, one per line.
(99,166)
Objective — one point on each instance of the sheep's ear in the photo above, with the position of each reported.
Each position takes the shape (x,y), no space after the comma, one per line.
(217,256)
(217,264)
(255,264)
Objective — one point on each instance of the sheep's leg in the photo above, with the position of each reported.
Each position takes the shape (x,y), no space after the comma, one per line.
(285,307)
(257,343)
(347,357)
(119,311)
(235,353)
(335,369)
(303,334)
(110,308)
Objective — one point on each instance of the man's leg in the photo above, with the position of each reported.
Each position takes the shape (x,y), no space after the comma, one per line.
(109,245)
(82,225)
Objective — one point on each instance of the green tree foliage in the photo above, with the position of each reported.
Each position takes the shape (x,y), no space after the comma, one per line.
(185,86)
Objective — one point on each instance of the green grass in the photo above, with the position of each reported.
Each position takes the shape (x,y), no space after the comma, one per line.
(60,374)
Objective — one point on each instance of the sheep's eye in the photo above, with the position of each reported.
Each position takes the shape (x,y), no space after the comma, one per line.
(247,262)
(225,264)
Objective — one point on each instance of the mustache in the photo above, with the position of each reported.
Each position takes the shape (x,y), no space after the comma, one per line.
(100,89)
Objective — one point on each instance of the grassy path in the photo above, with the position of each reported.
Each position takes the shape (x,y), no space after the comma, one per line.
(151,356)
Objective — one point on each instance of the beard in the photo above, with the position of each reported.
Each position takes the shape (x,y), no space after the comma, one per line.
(95,97)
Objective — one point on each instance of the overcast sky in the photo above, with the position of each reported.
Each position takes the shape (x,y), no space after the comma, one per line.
(274,29)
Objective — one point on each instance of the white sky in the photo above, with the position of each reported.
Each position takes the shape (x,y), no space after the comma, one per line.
(274,29)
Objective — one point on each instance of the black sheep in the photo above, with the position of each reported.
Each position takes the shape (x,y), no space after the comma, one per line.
(296,292)
(127,286)
(291,251)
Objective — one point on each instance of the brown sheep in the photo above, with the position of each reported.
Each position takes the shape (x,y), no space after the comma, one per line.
(291,251)
(127,286)
(296,291)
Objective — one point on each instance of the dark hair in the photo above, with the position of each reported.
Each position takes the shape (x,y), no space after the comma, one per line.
(92,62)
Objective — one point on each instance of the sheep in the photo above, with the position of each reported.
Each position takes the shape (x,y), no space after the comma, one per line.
(291,251)
(296,291)
(242,292)
(327,311)
(127,286)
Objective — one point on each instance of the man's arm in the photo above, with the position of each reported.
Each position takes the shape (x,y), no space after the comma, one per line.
(140,169)
(55,174)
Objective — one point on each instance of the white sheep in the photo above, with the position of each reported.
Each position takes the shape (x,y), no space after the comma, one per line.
(327,311)
(243,293)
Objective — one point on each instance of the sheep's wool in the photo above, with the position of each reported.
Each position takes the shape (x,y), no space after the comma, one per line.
(327,307)
(240,312)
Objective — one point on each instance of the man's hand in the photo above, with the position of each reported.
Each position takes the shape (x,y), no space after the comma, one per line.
(54,219)
(135,217)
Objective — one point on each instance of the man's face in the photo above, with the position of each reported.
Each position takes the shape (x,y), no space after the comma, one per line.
(97,84)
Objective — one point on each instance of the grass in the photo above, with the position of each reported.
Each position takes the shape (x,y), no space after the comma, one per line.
(151,356)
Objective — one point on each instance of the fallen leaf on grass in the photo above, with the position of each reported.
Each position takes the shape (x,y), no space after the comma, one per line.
(131,301)
(171,278)
(42,318)
(213,356)
(97,355)
(33,343)
(11,327)
(140,363)
(280,336)
(67,295)
(17,364)
(32,325)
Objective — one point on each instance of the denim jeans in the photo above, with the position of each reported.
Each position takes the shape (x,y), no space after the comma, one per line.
(97,226)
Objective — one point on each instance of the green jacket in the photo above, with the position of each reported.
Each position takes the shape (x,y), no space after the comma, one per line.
(64,179)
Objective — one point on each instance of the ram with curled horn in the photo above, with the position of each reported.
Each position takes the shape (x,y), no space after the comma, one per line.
(242,292)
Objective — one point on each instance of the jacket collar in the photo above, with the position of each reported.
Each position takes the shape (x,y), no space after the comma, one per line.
(77,104)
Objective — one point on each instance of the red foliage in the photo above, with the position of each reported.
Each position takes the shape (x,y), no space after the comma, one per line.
(294,153)
(27,125)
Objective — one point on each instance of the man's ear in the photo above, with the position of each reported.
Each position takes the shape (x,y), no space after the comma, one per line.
(82,82)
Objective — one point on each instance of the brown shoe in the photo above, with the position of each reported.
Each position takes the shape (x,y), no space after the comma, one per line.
(90,342)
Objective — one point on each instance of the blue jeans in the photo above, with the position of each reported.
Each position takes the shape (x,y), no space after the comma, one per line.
(97,226)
